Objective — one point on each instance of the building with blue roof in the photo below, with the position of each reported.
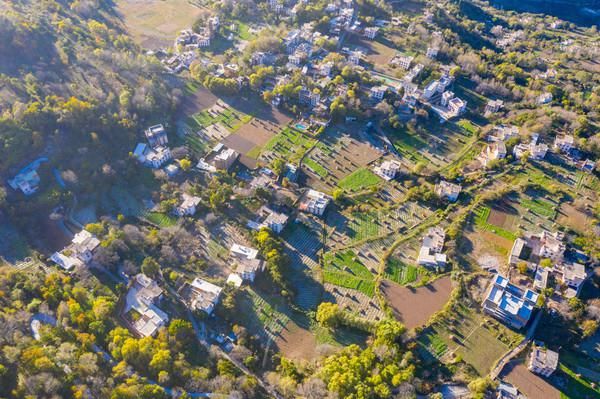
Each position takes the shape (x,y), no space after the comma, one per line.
(509,303)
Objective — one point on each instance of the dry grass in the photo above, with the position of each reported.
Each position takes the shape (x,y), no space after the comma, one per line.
(155,23)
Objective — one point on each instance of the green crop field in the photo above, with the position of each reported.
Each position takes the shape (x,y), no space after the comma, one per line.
(290,144)
(230,119)
(160,219)
(345,270)
(359,180)
(317,168)
(539,207)
(402,273)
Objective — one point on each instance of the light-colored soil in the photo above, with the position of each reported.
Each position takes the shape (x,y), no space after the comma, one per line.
(572,217)
(155,23)
(414,306)
(479,244)
(529,384)
(296,342)
(253,135)
(199,101)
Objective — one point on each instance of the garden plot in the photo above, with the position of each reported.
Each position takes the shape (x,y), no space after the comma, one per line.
(370,253)
(303,245)
(353,301)
(261,315)
(436,145)
(345,269)
(414,306)
(250,139)
(530,384)
(403,273)
(290,145)
(467,333)
(337,156)
(359,226)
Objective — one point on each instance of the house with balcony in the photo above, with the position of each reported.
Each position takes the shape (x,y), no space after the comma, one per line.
(200,295)
(314,202)
(141,310)
(508,303)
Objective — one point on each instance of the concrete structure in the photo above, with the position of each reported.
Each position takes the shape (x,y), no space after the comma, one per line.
(535,150)
(80,252)
(188,205)
(225,158)
(503,133)
(508,303)
(573,275)
(314,202)
(152,157)
(492,152)
(309,97)
(156,136)
(201,295)
(387,170)
(533,247)
(27,181)
(377,92)
(542,361)
(545,98)
(267,217)
(564,143)
(371,32)
(432,52)
(142,297)
(493,106)
(430,254)
(403,61)
(447,190)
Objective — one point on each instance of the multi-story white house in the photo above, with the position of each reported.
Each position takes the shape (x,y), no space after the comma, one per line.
(447,190)
(314,202)
(430,254)
(201,295)
(377,92)
(140,306)
(79,252)
(492,152)
(188,205)
(564,143)
(493,106)
(387,170)
(542,361)
(432,52)
(371,32)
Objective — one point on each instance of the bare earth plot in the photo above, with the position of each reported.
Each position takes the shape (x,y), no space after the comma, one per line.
(250,139)
(337,156)
(414,306)
(531,385)
(572,217)
(296,342)
(155,23)
(354,301)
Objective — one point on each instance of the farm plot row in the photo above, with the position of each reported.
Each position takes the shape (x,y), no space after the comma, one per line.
(346,270)
(261,316)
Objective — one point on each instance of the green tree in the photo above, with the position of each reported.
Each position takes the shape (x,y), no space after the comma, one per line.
(150,267)
(328,314)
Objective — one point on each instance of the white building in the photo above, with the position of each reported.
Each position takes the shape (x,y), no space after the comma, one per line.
(432,52)
(430,254)
(78,253)
(140,304)
(28,182)
(152,157)
(492,152)
(201,295)
(446,97)
(314,202)
(535,150)
(457,106)
(309,97)
(156,136)
(403,61)
(545,98)
(377,92)
(371,32)
(503,133)
(188,205)
(225,158)
(564,143)
(387,170)
(447,190)
(573,275)
(248,264)
(354,57)
(493,106)
(267,217)
(542,361)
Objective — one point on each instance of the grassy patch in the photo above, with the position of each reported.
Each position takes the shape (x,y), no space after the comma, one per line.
(254,153)
(345,270)
(576,386)
(363,225)
(230,119)
(160,219)
(359,180)
(539,207)
(482,214)
(315,167)
(400,272)
(290,144)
